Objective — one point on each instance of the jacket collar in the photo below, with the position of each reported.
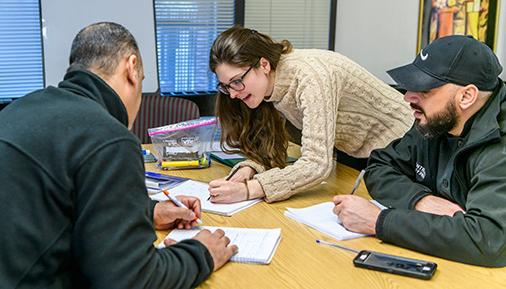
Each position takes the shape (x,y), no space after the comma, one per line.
(485,124)
(89,85)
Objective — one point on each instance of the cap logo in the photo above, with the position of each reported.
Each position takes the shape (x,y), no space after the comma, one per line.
(423,57)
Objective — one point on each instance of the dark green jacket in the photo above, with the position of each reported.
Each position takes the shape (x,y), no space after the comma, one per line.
(405,171)
(74,209)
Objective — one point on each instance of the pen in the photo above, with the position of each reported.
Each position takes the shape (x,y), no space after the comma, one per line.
(179,204)
(226,179)
(357,182)
(321,242)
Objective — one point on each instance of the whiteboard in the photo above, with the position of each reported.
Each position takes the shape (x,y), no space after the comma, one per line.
(62,20)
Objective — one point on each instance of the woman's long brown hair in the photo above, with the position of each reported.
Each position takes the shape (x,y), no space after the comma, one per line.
(259,133)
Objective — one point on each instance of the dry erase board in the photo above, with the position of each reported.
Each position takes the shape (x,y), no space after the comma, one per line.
(62,19)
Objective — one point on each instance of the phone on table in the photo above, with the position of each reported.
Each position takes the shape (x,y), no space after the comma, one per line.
(394,264)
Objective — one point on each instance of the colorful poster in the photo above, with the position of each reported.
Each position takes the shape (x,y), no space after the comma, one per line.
(439,18)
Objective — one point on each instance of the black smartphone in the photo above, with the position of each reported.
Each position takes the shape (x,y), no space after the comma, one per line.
(394,264)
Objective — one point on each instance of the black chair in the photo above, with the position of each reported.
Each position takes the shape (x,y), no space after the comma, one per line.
(157,110)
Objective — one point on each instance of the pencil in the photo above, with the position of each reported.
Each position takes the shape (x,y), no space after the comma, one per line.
(231,175)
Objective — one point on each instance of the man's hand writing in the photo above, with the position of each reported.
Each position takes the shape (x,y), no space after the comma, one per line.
(167,215)
(356,214)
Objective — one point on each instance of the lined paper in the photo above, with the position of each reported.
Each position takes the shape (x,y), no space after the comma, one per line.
(255,245)
(200,190)
(321,218)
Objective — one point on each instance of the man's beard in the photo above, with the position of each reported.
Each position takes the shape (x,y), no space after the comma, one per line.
(440,123)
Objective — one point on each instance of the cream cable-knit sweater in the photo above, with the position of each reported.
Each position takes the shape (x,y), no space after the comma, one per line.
(336,103)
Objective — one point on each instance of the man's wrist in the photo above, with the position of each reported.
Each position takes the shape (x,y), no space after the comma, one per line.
(374,220)
(417,198)
(380,222)
(152,206)
(156,214)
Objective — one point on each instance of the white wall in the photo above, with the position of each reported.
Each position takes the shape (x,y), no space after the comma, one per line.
(381,35)
(64,18)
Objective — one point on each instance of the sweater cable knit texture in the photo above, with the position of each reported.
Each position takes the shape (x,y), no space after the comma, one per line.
(336,103)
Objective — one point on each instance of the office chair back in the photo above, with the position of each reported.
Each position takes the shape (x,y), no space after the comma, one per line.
(157,110)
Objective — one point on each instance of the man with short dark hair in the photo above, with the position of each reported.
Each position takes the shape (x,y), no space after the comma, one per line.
(444,182)
(73,201)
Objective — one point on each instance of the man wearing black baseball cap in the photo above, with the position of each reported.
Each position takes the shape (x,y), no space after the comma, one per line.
(444,182)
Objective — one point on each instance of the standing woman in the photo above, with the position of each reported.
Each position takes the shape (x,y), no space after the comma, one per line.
(336,103)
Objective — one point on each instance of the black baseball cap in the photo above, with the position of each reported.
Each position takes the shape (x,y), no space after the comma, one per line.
(454,59)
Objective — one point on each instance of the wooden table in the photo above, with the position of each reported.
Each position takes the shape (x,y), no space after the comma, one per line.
(300,263)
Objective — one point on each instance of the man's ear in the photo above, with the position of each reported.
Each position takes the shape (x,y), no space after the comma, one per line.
(468,96)
(132,65)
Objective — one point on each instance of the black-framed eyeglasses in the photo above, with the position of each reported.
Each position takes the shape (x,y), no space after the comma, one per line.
(236,84)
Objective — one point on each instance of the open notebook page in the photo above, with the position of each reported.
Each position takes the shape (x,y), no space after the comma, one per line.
(199,190)
(321,218)
(255,245)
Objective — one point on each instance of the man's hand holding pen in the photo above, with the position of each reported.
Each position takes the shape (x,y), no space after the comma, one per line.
(356,213)
(167,215)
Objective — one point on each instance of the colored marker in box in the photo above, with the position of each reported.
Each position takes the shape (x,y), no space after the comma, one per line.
(179,164)
(202,162)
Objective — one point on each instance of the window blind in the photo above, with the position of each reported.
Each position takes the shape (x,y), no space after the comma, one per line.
(305,23)
(21,68)
(185,31)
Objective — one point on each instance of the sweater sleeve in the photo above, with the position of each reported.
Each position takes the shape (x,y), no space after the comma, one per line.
(390,175)
(113,233)
(318,109)
(248,163)
(477,236)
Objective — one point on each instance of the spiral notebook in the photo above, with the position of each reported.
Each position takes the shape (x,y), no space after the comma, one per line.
(256,246)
